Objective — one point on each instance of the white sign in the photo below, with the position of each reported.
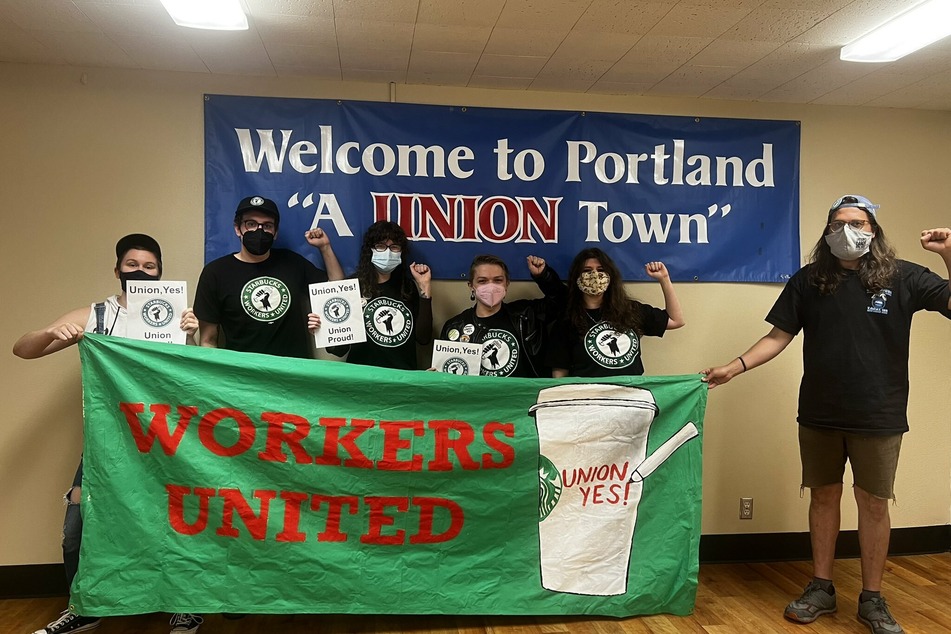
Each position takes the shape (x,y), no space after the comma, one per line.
(339,306)
(155,310)
(456,357)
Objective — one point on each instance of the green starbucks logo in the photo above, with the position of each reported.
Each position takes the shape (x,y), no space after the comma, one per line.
(499,353)
(388,322)
(157,312)
(610,348)
(337,310)
(549,487)
(265,298)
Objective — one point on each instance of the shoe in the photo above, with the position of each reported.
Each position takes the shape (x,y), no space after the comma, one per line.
(185,623)
(875,614)
(813,603)
(70,622)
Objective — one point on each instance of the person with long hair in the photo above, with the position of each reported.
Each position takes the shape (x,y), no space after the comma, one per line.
(398,306)
(601,330)
(854,302)
(513,334)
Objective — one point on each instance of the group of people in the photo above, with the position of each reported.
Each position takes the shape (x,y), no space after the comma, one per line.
(854,301)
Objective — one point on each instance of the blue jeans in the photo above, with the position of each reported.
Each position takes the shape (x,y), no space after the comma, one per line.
(72,530)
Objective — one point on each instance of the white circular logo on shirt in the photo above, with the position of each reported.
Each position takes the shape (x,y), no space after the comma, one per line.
(610,348)
(265,298)
(389,323)
(499,353)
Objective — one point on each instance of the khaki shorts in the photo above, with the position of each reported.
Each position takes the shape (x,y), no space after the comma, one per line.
(874,459)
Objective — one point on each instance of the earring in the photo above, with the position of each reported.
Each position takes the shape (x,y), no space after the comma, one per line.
(472,295)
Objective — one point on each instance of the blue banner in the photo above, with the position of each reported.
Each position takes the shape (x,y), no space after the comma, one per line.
(716,200)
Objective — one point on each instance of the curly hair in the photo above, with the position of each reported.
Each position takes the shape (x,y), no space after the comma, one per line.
(377,233)
(876,268)
(616,307)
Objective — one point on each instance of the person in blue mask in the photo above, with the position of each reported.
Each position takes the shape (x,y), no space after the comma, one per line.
(397,302)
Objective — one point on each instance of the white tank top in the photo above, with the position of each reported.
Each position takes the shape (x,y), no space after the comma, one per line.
(113,319)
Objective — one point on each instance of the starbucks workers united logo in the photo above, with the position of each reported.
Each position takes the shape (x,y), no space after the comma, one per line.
(265,298)
(611,348)
(157,312)
(388,322)
(549,487)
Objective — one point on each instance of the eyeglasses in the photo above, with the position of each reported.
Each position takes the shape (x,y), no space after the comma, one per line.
(836,225)
(254,225)
(381,247)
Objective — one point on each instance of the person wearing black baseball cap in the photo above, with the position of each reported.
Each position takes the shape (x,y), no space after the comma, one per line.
(854,303)
(138,257)
(257,298)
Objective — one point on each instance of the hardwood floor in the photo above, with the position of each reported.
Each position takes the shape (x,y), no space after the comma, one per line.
(732,599)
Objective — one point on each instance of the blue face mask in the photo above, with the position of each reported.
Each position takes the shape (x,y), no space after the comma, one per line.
(386,261)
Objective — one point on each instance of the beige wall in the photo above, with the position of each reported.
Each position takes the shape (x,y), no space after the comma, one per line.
(84,162)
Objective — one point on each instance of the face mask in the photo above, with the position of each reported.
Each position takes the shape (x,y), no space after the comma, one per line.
(386,261)
(137,275)
(490,295)
(257,242)
(848,243)
(594,282)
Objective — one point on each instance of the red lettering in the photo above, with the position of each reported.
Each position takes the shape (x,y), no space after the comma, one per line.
(246,432)
(235,501)
(427,507)
(292,503)
(158,426)
(278,436)
(459,445)
(379,519)
(176,508)
(510,218)
(546,225)
(335,504)
(333,441)
(505,450)
(393,443)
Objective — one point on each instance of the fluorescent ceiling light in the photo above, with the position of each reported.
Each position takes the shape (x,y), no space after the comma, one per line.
(916,28)
(221,15)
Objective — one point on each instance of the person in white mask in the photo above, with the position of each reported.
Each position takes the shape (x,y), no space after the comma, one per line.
(513,334)
(854,303)
(397,302)
(600,333)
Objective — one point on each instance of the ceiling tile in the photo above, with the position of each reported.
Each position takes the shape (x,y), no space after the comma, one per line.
(668,49)
(85,49)
(313,8)
(374,76)
(112,18)
(439,62)
(633,17)
(620,88)
(523,42)
(354,34)
(158,52)
(555,15)
(692,81)
(733,53)
(17,45)
(296,29)
(394,11)
(476,13)
(47,15)
(561,85)
(444,37)
(774,24)
(699,21)
(510,66)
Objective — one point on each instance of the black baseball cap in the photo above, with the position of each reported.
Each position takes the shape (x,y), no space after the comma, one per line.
(138,241)
(257,203)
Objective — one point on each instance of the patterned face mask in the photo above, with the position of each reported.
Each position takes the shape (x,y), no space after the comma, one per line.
(848,243)
(594,282)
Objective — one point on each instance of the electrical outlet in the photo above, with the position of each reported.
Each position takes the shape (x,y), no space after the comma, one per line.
(746,508)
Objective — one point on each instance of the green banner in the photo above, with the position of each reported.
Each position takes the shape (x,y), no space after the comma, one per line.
(218,481)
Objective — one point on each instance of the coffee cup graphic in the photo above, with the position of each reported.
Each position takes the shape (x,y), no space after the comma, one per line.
(592,464)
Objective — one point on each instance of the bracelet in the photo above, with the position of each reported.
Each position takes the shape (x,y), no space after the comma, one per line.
(742,362)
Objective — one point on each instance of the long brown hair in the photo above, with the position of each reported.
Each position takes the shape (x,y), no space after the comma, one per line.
(876,268)
(616,307)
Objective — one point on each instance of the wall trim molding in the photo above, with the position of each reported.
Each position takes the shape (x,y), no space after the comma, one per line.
(48,580)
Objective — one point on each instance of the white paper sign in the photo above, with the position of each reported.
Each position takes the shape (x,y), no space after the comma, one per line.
(341,313)
(155,310)
(456,357)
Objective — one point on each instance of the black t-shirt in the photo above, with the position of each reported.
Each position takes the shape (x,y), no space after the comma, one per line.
(502,351)
(602,350)
(391,322)
(855,347)
(261,306)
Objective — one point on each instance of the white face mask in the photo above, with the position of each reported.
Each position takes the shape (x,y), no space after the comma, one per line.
(848,243)
(386,261)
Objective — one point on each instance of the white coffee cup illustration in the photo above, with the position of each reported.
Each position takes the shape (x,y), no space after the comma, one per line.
(592,463)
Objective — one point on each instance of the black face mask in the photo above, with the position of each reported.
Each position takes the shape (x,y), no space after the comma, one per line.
(257,242)
(137,275)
